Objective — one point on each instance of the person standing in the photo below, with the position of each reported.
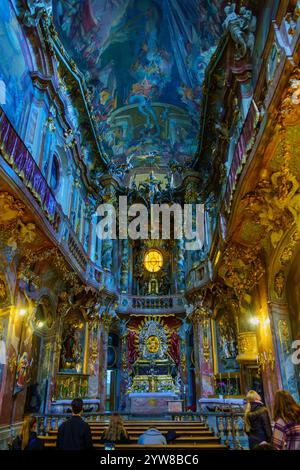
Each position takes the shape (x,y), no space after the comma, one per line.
(286,435)
(75,433)
(257,420)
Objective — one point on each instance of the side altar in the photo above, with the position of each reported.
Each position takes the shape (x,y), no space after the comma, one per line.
(155,376)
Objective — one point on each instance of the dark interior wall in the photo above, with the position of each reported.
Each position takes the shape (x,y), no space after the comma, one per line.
(265,17)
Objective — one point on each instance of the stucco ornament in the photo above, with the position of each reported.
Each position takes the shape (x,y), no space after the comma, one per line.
(153,341)
(241,28)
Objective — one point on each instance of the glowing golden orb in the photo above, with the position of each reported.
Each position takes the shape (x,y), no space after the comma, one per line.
(153,344)
(153,261)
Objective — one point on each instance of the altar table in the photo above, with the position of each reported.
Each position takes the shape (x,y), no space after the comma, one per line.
(151,403)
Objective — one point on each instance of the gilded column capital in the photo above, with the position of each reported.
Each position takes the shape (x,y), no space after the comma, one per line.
(200,313)
(106,320)
(241,267)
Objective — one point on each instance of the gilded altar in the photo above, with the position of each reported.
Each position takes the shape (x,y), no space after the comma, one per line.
(153,384)
(154,371)
(69,386)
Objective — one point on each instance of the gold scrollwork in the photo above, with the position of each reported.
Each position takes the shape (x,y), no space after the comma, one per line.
(284,335)
(247,347)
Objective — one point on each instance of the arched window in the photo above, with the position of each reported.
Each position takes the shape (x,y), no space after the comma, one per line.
(54,176)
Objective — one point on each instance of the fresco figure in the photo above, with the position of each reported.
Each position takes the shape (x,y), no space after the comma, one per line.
(72,351)
(140,95)
(136,54)
(22,374)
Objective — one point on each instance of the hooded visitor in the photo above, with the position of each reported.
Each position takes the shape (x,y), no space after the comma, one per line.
(152,437)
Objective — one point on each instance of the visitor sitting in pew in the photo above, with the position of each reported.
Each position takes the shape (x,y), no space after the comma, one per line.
(171,437)
(116,432)
(152,437)
(28,439)
(75,433)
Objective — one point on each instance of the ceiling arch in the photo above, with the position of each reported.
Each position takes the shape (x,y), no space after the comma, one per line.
(144,61)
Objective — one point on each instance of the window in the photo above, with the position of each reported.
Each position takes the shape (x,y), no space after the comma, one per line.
(153,261)
(54,177)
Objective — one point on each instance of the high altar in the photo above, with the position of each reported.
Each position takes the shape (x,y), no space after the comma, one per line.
(155,378)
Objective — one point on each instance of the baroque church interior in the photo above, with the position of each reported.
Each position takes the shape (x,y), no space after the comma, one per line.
(193,103)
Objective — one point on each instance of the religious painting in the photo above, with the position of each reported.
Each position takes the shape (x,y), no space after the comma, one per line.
(44,372)
(73,345)
(24,364)
(153,340)
(226,339)
(146,61)
(14,63)
(43,317)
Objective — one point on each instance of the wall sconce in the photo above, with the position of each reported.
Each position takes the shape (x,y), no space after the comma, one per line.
(255,321)
(22,312)
(40,324)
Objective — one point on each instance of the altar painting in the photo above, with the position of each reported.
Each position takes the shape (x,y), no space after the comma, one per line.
(73,345)
(154,355)
(226,336)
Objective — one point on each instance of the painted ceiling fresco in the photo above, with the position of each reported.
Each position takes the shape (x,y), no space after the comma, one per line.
(144,61)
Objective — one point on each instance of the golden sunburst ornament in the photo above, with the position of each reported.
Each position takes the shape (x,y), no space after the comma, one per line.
(153,260)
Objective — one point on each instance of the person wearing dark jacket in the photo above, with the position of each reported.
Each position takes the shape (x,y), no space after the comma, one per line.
(75,433)
(257,420)
(28,439)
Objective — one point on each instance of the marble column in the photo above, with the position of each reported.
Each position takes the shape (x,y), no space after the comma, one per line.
(93,357)
(124,381)
(203,353)
(92,237)
(102,371)
(183,361)
(107,254)
(124,267)
(180,265)
(109,196)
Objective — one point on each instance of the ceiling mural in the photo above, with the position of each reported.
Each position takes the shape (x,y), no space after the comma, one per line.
(144,61)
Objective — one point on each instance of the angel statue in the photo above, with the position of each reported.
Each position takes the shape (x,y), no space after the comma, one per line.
(241,28)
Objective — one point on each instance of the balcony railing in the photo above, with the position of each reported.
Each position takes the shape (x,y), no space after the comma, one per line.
(19,158)
(243,146)
(228,426)
(151,304)
(197,276)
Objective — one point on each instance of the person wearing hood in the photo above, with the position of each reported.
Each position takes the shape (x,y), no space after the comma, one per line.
(152,437)
(257,420)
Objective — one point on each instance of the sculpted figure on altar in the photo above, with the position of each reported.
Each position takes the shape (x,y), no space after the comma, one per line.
(72,348)
(156,368)
(153,341)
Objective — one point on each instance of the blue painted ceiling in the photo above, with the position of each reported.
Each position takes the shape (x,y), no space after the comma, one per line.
(144,61)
